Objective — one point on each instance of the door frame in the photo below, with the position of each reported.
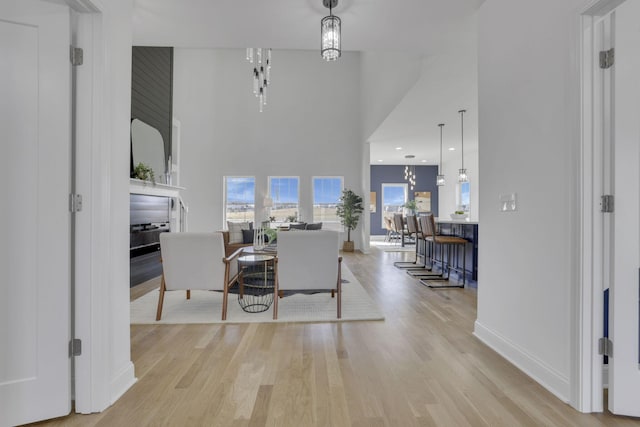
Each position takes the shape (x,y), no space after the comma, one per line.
(90,316)
(587,387)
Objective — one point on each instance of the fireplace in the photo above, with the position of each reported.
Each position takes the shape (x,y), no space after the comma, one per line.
(149,216)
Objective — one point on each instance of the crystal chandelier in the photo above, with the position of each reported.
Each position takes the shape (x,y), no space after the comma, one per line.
(440,177)
(462,172)
(260,57)
(410,173)
(330,27)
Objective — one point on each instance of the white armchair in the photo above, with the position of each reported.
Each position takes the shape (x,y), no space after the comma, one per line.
(196,261)
(308,260)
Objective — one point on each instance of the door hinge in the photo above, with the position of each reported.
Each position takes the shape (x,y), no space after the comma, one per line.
(75,202)
(607,58)
(76,55)
(605,347)
(75,347)
(606,203)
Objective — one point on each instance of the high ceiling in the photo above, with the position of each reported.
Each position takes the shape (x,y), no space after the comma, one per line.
(428,28)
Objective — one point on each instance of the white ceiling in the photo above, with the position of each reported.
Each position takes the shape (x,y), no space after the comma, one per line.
(431,28)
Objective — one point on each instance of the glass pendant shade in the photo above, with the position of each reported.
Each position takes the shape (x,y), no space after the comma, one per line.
(440,176)
(261,58)
(330,37)
(462,172)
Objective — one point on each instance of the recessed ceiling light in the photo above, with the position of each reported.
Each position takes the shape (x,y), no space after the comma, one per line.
(452,148)
(423,161)
(380,160)
(398,148)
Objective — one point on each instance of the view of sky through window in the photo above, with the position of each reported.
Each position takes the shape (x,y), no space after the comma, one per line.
(241,193)
(326,195)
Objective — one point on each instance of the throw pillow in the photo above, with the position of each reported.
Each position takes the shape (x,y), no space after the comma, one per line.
(247,236)
(314,226)
(298,226)
(235,231)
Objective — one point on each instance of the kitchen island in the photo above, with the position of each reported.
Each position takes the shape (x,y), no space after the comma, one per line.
(467,229)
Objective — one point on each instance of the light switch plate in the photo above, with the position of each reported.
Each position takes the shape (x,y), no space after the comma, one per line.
(507,202)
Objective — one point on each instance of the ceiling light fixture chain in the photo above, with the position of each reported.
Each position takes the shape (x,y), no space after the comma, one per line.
(462,173)
(260,57)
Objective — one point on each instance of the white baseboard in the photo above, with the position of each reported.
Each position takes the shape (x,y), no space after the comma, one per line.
(547,377)
(122,382)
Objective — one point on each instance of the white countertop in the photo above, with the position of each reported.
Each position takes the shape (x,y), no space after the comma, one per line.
(456,221)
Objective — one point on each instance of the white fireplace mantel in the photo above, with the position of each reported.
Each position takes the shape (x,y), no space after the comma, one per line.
(138,186)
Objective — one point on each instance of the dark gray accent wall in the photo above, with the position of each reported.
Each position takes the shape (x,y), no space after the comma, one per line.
(394,174)
(152,89)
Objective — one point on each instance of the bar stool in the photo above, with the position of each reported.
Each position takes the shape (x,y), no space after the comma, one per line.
(412,230)
(398,223)
(450,244)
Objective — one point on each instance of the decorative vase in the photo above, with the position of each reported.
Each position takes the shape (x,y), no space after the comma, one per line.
(258,238)
(348,246)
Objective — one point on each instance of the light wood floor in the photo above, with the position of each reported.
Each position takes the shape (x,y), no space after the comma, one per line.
(420,367)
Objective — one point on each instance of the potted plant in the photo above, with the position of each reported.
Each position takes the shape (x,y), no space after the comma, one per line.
(349,209)
(144,172)
(411,206)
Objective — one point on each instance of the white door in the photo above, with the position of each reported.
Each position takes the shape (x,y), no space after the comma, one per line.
(34,213)
(624,365)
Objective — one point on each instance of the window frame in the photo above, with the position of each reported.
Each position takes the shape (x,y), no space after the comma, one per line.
(459,205)
(384,185)
(313,197)
(273,198)
(225,198)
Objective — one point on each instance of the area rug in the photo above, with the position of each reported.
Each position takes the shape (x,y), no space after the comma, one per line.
(206,307)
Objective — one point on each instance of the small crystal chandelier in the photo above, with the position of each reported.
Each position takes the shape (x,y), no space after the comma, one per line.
(462,172)
(410,173)
(261,59)
(440,177)
(330,27)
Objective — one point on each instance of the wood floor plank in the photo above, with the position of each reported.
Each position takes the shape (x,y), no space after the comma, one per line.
(421,366)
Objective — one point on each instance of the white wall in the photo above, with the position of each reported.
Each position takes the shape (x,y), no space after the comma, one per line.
(311,126)
(386,78)
(529,134)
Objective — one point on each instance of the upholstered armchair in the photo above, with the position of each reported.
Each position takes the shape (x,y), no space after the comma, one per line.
(309,260)
(196,261)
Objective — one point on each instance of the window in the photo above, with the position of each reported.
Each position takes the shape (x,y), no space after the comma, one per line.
(240,196)
(394,196)
(284,191)
(326,195)
(463,196)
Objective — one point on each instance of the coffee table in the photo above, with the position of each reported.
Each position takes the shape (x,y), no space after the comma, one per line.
(257,282)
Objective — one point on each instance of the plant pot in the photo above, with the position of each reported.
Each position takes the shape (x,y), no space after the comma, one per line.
(347,246)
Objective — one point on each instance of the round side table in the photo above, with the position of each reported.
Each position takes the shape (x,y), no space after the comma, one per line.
(257,282)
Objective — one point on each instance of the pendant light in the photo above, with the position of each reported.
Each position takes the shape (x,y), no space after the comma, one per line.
(462,172)
(440,177)
(330,29)
(410,172)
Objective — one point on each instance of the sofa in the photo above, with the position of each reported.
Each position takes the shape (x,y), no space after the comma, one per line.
(230,248)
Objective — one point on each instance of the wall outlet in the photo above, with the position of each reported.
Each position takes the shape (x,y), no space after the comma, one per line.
(507,202)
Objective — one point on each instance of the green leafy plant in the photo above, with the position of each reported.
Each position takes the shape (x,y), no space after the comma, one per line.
(292,218)
(459,212)
(144,172)
(272,219)
(411,205)
(271,234)
(349,209)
